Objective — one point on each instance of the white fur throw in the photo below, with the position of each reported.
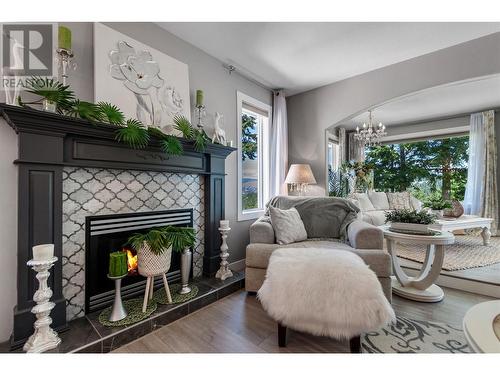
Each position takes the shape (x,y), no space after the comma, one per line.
(324,292)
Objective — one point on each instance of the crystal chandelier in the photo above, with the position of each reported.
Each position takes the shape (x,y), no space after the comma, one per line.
(370,135)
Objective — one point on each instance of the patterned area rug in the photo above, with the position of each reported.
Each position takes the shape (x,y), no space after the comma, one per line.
(416,336)
(467,252)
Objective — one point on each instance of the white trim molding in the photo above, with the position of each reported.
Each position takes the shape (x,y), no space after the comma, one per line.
(263,161)
(426,134)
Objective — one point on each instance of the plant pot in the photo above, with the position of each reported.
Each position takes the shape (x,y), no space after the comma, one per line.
(410,228)
(456,210)
(150,264)
(49,106)
(186,258)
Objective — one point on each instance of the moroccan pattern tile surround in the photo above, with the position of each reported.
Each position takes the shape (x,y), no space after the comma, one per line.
(92,191)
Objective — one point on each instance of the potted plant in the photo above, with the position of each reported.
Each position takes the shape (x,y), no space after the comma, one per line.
(410,221)
(154,250)
(437,204)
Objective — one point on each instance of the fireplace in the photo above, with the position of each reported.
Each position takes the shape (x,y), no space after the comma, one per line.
(107,233)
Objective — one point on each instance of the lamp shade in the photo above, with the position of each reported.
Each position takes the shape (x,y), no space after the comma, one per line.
(300,174)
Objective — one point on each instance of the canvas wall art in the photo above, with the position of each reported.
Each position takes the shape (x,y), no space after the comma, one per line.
(145,83)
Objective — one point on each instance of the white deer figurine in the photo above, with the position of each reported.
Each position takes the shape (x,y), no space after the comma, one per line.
(219,133)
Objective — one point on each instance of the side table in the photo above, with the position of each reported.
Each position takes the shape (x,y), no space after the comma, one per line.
(420,288)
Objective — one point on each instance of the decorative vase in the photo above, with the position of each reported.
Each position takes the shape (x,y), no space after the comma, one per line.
(455,211)
(151,264)
(186,257)
(49,106)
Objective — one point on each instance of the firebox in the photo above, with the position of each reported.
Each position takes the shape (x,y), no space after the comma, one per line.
(107,233)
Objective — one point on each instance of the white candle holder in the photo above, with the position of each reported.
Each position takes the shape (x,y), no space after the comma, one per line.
(44,338)
(66,61)
(224,272)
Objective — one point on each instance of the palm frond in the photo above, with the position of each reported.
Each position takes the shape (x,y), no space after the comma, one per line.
(182,124)
(200,140)
(111,113)
(155,132)
(133,134)
(51,90)
(161,238)
(180,237)
(171,145)
(85,110)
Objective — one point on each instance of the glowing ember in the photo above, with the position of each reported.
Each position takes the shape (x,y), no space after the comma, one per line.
(131,261)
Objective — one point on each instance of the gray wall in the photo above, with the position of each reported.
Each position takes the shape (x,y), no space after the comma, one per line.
(205,72)
(310,113)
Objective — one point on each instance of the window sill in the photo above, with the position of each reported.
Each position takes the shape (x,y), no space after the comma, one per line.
(250,215)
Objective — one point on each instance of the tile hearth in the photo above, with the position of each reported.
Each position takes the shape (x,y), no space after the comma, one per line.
(87,335)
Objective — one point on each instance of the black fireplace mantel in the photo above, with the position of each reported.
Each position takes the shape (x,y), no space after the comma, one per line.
(47,143)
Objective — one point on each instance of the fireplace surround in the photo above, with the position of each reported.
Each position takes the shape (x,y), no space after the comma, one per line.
(49,143)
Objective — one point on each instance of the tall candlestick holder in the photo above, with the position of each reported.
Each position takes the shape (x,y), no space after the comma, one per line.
(200,113)
(224,272)
(65,59)
(44,338)
(118,312)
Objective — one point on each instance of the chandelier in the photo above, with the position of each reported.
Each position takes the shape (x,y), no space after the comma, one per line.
(370,135)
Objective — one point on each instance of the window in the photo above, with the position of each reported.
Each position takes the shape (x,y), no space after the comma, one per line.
(333,155)
(253,156)
(432,167)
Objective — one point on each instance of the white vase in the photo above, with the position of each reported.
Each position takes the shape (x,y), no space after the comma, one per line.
(150,264)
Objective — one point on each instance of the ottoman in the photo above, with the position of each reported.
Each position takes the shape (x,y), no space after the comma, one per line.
(323,292)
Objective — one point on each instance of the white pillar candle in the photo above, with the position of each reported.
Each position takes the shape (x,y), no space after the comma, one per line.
(43,252)
(224,224)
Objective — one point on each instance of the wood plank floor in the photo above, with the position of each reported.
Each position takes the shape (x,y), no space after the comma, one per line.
(238,324)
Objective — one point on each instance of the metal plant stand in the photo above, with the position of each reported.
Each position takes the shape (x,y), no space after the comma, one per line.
(224,272)
(118,312)
(44,338)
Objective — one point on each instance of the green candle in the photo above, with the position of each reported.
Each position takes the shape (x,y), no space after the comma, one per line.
(117,264)
(64,38)
(199,98)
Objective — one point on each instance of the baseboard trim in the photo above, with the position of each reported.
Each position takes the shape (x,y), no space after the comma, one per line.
(466,285)
(239,265)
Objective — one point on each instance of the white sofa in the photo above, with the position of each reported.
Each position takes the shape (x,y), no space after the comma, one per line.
(373,205)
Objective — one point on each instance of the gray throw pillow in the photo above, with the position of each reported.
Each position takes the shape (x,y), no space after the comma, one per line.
(288,226)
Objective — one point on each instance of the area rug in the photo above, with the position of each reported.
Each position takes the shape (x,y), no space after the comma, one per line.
(134,311)
(467,252)
(415,336)
(161,297)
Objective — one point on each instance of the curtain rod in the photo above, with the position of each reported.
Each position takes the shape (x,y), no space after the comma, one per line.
(232,69)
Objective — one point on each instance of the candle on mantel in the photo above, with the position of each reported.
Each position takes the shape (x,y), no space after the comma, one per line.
(224,224)
(117,264)
(43,252)
(64,38)
(199,98)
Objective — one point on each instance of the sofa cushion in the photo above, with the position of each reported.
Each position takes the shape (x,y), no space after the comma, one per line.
(323,217)
(288,226)
(379,200)
(375,217)
(364,202)
(257,255)
(399,201)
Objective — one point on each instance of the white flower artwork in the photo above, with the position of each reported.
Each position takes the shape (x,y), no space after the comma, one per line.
(145,83)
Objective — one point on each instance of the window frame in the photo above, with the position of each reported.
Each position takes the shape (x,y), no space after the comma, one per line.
(263,156)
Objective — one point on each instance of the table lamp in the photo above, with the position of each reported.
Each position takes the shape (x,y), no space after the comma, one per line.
(299,177)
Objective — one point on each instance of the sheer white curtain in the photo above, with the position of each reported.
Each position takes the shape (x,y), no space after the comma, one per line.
(279,146)
(477,155)
(356,149)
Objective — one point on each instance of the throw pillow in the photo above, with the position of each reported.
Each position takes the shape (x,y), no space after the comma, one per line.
(288,226)
(415,203)
(399,201)
(364,202)
(379,200)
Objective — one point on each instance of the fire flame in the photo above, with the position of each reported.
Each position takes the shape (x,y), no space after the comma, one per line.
(131,261)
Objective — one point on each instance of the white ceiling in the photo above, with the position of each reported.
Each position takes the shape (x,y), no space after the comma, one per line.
(302,56)
(441,101)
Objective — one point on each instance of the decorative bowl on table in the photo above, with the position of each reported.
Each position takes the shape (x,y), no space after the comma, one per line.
(410,228)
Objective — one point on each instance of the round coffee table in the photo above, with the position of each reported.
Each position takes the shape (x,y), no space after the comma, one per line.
(482,327)
(420,288)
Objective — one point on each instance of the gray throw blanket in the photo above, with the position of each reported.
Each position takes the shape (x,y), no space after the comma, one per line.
(323,217)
